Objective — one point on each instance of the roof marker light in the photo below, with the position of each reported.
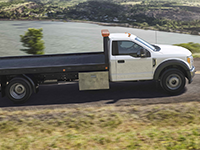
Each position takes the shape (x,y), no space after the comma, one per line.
(129,35)
(105,33)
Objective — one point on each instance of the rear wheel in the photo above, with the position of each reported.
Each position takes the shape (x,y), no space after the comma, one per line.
(18,90)
(173,81)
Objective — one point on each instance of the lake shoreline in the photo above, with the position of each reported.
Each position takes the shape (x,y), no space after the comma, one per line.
(71,37)
(101,23)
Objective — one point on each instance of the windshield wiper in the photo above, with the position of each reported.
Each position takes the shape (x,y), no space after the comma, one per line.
(157,47)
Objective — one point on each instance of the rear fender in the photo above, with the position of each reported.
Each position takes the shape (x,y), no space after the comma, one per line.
(31,82)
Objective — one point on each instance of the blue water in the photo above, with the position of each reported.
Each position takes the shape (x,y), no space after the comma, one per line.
(69,37)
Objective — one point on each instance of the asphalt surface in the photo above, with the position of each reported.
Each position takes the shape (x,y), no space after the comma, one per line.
(123,93)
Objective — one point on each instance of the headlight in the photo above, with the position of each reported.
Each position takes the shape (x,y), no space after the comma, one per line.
(190,60)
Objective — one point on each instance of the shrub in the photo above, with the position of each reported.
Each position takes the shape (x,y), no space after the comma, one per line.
(32,40)
(193,47)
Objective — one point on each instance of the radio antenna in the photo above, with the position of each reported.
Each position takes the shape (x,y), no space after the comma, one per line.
(155,37)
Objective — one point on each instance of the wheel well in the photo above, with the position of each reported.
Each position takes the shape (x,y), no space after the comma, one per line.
(30,79)
(5,79)
(175,67)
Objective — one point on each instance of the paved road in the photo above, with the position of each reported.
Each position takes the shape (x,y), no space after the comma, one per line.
(126,93)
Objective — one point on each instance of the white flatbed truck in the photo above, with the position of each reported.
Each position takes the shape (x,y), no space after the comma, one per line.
(125,58)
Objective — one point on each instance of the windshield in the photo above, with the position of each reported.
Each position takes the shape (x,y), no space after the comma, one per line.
(145,43)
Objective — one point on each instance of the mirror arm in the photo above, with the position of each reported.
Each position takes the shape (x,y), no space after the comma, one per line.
(142,53)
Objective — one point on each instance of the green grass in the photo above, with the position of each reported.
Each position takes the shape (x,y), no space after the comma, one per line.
(162,127)
(193,47)
(196,55)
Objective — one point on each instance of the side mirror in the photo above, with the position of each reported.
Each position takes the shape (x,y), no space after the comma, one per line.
(142,52)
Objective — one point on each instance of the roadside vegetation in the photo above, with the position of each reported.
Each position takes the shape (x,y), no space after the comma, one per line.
(193,47)
(161,127)
(172,16)
(32,40)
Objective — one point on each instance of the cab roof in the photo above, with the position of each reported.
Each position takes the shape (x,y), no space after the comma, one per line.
(117,36)
(121,36)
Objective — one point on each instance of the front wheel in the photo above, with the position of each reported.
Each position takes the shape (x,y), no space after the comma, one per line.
(173,81)
(18,90)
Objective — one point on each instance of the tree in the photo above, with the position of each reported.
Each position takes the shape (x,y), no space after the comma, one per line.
(32,40)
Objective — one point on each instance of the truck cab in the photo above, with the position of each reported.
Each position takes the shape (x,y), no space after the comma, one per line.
(133,59)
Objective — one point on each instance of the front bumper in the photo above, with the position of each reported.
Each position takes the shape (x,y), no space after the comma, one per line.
(192,73)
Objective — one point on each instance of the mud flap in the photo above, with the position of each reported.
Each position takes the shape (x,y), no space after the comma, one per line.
(3,86)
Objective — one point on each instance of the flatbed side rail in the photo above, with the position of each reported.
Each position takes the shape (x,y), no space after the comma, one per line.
(55,69)
(51,55)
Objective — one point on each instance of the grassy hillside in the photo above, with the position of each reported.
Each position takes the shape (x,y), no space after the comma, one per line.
(154,127)
(172,16)
(63,3)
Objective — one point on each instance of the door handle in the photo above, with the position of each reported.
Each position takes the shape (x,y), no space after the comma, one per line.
(121,61)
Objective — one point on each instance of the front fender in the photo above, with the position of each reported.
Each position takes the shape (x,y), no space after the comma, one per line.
(173,64)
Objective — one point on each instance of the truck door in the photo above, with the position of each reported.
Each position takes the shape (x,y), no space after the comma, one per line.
(129,63)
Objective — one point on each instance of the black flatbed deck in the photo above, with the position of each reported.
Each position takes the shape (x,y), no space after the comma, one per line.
(76,62)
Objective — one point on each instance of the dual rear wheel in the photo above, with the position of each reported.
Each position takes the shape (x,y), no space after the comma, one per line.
(19,90)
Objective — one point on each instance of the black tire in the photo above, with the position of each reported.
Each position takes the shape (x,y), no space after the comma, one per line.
(173,81)
(18,90)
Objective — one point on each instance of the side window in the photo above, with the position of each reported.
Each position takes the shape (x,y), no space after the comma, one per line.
(126,48)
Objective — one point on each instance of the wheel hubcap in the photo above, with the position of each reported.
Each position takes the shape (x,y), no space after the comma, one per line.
(173,82)
(17,91)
